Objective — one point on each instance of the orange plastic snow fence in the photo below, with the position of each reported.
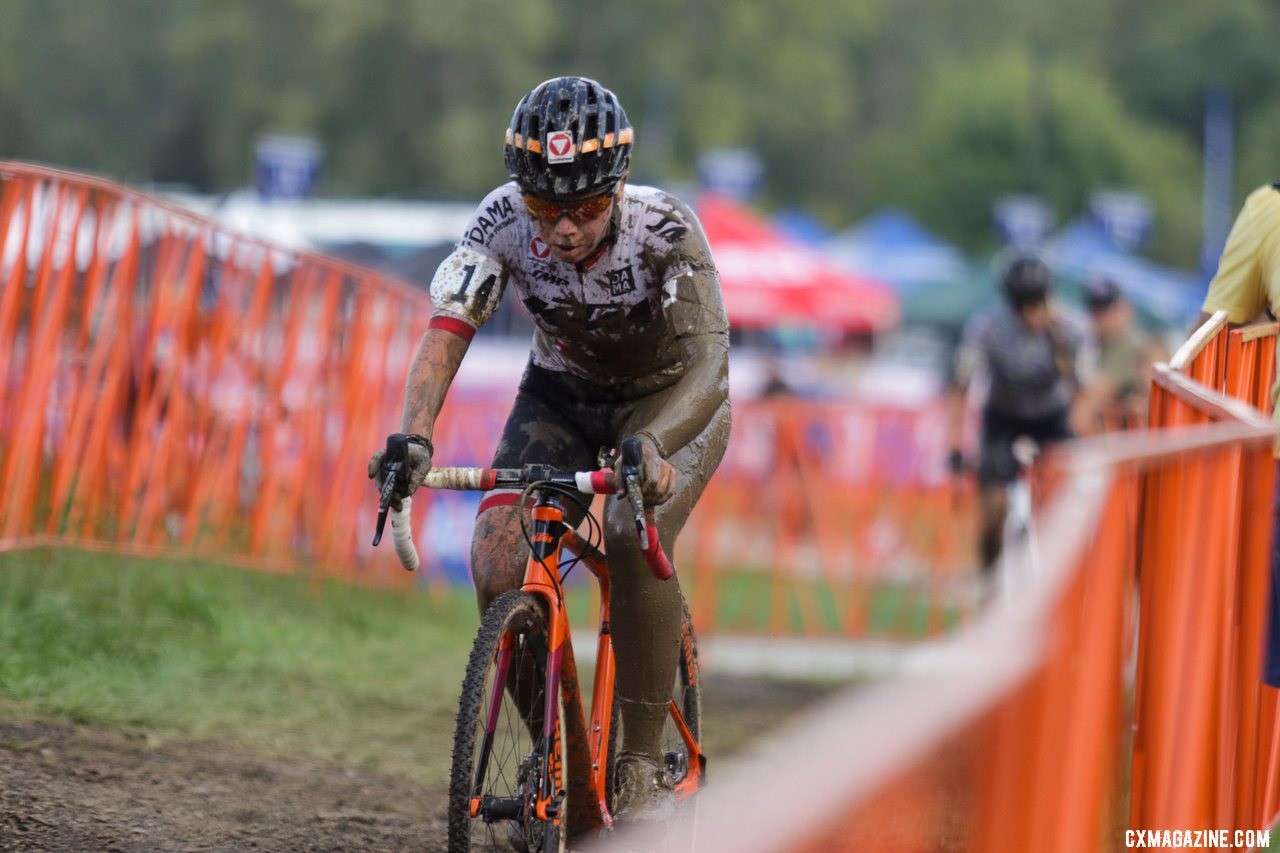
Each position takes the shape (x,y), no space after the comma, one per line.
(832,518)
(169,386)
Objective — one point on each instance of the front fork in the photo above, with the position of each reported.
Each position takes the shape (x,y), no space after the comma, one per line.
(541,579)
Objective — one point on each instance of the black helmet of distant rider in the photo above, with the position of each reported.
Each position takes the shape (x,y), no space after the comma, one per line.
(569,139)
(1100,293)
(1026,281)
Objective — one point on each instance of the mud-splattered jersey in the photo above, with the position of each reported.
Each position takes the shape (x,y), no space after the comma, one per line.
(619,320)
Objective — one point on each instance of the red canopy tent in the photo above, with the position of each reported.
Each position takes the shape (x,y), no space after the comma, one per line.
(770,280)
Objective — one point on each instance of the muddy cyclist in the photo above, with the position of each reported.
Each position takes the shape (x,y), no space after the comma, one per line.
(630,338)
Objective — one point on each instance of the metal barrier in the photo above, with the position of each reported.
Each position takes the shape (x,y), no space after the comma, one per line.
(1239,362)
(1063,721)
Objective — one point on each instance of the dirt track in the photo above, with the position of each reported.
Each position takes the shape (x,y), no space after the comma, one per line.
(69,788)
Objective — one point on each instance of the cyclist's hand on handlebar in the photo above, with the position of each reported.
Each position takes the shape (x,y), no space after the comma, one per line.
(419,464)
(657,475)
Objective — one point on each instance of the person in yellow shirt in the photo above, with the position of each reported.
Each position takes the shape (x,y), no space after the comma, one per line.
(1247,286)
(1247,283)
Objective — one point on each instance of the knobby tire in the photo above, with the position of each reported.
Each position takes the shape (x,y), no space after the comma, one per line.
(522,613)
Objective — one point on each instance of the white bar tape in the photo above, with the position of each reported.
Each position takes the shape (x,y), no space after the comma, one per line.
(583,480)
(458,479)
(402,535)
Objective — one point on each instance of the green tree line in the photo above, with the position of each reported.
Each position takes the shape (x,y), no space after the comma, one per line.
(935,105)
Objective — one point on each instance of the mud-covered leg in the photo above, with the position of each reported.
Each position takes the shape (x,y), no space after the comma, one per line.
(498,557)
(647,617)
(646,635)
(498,553)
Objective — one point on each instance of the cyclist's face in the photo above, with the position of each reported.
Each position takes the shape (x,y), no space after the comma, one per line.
(1112,320)
(1035,317)
(573,231)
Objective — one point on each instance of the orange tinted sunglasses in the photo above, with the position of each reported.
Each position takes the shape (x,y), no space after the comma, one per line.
(579,212)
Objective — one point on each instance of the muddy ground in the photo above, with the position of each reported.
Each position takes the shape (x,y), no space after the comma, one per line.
(77,788)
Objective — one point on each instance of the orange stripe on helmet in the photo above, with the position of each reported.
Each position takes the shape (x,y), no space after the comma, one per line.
(534,145)
(589,145)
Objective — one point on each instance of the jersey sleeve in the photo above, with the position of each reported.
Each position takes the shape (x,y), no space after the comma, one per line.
(691,298)
(971,353)
(468,285)
(1238,287)
(695,314)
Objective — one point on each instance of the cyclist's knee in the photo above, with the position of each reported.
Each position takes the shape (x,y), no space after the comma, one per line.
(620,532)
(620,539)
(497,553)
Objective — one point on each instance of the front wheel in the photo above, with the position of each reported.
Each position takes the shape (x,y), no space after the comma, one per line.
(503,765)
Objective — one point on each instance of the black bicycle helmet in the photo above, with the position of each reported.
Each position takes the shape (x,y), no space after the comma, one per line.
(1026,281)
(1101,293)
(569,139)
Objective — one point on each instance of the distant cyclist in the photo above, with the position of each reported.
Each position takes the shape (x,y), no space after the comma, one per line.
(631,339)
(1028,349)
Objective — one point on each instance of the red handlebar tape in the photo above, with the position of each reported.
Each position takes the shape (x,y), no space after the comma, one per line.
(654,555)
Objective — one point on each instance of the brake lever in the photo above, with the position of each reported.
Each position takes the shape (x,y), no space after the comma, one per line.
(395,473)
(632,461)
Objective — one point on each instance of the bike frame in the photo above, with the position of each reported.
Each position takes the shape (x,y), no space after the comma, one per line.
(1019,529)
(550,535)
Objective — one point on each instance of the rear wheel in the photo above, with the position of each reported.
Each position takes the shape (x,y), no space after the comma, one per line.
(501,760)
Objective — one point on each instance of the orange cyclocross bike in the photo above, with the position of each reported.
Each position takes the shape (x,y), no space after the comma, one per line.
(529,765)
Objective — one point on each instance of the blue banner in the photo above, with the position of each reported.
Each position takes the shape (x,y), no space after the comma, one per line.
(1124,216)
(286,166)
(1023,220)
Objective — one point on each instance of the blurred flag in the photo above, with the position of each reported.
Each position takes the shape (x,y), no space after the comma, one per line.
(286,166)
(1023,220)
(1218,140)
(1124,216)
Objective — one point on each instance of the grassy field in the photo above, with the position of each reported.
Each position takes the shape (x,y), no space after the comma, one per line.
(364,677)
(361,677)
(877,609)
